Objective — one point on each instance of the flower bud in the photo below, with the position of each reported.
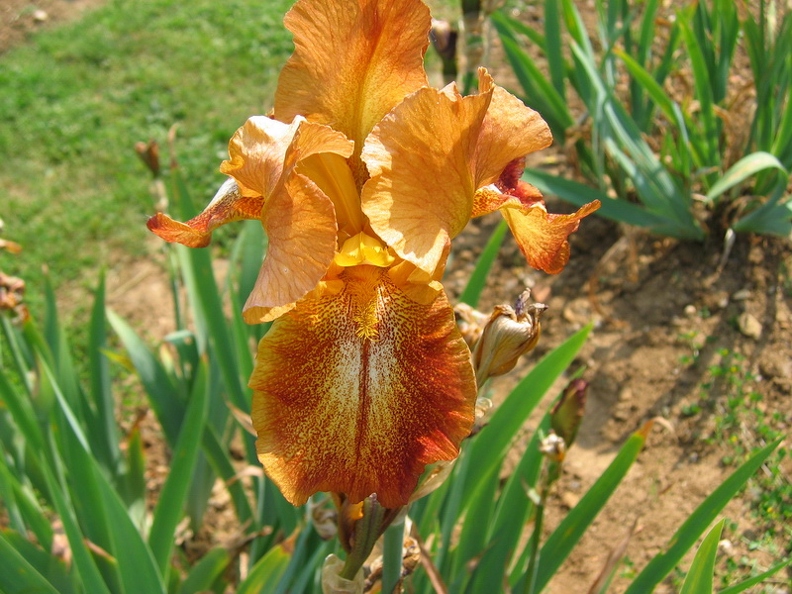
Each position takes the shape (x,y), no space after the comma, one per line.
(470,322)
(567,414)
(149,154)
(553,447)
(510,333)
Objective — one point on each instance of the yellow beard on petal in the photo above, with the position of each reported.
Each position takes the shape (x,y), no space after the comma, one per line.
(364,249)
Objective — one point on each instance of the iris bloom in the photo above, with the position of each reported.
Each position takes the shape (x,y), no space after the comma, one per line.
(361,177)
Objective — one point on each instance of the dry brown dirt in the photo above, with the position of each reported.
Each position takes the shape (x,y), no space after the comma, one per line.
(652,301)
(663,312)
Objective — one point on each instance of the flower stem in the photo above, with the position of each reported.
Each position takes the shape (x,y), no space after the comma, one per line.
(392,557)
(367,531)
(533,562)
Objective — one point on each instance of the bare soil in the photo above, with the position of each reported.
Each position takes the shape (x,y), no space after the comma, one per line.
(19,19)
(663,313)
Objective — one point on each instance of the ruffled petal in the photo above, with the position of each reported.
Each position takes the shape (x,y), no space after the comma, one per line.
(263,149)
(420,158)
(510,131)
(508,190)
(227,206)
(356,392)
(542,237)
(257,151)
(353,61)
(301,232)
(264,153)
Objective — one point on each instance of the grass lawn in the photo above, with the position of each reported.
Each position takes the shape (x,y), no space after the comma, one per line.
(76,99)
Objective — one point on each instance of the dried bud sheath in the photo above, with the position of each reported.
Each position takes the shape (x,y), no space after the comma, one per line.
(510,333)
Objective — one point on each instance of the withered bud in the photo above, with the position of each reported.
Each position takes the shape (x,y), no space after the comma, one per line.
(149,154)
(12,294)
(333,583)
(444,39)
(567,414)
(324,520)
(510,333)
(553,447)
(470,322)
(10,246)
(434,476)
(412,555)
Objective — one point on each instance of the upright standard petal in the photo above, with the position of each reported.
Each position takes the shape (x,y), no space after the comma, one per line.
(429,156)
(356,392)
(353,61)
(422,184)
(510,130)
(257,154)
(263,152)
(297,215)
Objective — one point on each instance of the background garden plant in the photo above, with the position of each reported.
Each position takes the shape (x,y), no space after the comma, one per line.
(717,149)
(192,362)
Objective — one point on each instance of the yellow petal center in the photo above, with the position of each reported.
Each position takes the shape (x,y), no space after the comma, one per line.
(364,249)
(332,174)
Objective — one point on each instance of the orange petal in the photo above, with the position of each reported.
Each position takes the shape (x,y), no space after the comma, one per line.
(301,232)
(263,148)
(356,392)
(508,190)
(510,131)
(228,205)
(542,237)
(263,153)
(353,61)
(422,179)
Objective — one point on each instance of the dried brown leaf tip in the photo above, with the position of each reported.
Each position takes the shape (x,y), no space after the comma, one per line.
(12,288)
(149,154)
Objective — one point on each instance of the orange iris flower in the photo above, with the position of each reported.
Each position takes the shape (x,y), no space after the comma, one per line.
(361,177)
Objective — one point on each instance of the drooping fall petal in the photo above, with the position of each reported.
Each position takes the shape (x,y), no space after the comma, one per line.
(356,392)
(542,237)
(353,61)
(227,206)
(301,233)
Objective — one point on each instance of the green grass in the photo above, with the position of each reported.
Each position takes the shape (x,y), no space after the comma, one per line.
(741,423)
(75,100)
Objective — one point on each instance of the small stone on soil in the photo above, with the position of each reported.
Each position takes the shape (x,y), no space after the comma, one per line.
(749,326)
